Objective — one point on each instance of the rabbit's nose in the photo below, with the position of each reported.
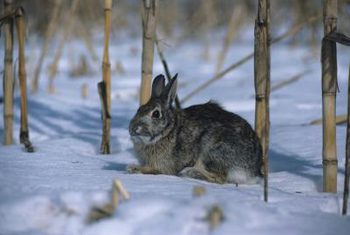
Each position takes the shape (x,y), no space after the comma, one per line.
(136,129)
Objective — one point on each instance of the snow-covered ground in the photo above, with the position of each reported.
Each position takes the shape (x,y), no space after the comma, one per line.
(52,190)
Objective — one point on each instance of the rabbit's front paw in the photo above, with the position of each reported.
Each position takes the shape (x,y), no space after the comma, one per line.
(133,169)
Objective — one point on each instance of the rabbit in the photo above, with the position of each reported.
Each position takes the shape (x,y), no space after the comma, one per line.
(202,141)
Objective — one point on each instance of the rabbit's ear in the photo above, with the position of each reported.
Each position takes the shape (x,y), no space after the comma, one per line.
(170,90)
(158,85)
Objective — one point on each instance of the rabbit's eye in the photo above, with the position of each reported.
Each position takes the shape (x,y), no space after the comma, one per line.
(156,114)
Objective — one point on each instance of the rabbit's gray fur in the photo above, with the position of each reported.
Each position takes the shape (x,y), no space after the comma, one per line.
(201,141)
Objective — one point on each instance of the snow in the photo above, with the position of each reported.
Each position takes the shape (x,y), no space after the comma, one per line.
(52,190)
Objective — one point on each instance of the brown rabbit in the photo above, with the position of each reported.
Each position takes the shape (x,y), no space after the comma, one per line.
(202,141)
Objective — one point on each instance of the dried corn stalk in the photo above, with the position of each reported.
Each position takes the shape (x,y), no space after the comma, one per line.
(329,89)
(105,85)
(68,24)
(48,35)
(149,20)
(262,83)
(24,131)
(347,157)
(8,75)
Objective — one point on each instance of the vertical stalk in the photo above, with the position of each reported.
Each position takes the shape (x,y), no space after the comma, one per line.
(329,89)
(347,157)
(106,77)
(24,131)
(262,82)
(67,28)
(8,75)
(236,19)
(149,20)
(85,35)
(209,18)
(48,35)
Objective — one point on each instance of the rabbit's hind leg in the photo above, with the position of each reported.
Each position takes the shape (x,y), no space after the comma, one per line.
(198,171)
